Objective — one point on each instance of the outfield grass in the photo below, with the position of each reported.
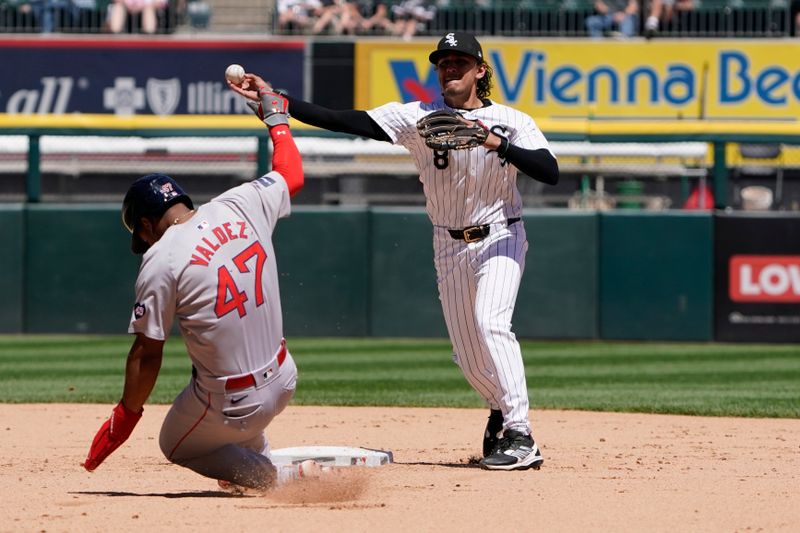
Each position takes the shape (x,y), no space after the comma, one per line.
(701,379)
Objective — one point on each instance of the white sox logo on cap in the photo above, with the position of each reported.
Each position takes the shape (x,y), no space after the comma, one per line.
(460,42)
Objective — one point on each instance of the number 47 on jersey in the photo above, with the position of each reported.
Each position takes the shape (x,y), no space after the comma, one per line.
(229,295)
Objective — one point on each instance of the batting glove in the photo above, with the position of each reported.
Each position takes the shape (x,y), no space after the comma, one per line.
(111,435)
(273,109)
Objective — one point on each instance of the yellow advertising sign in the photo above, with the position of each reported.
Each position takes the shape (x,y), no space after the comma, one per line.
(716,79)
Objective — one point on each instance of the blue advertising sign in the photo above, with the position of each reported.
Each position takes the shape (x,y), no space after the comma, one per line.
(135,77)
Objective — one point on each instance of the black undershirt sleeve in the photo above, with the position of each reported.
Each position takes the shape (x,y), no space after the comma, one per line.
(351,121)
(538,164)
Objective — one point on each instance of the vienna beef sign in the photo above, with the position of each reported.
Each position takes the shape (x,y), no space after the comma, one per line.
(765,278)
(681,78)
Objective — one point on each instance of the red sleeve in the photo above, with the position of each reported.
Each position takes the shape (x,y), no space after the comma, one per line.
(286,158)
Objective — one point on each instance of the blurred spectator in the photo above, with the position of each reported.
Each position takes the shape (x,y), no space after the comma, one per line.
(350,17)
(794,8)
(119,10)
(295,16)
(365,16)
(376,15)
(329,17)
(663,14)
(611,15)
(198,13)
(411,16)
(48,15)
(12,15)
(89,15)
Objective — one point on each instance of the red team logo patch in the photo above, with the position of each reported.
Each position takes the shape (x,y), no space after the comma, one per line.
(168,191)
(764,278)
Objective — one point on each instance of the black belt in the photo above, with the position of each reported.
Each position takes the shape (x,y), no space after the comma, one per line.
(475,233)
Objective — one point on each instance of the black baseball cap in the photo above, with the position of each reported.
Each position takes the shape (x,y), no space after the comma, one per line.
(457,41)
(150,196)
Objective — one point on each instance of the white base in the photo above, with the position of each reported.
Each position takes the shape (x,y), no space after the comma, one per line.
(331,456)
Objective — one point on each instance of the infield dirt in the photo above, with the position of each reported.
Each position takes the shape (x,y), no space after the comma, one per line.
(602,472)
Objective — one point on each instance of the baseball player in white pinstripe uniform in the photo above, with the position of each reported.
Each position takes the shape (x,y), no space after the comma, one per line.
(478,236)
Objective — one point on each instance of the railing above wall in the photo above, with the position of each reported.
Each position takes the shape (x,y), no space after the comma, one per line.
(572,134)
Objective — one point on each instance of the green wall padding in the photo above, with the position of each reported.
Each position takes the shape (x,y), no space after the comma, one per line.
(404,300)
(656,273)
(80,272)
(558,294)
(360,272)
(557,297)
(12,256)
(324,272)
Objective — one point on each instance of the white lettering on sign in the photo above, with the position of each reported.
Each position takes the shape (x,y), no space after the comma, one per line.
(212,98)
(755,278)
(53,98)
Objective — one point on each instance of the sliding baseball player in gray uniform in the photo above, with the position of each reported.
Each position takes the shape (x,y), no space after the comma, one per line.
(478,236)
(214,269)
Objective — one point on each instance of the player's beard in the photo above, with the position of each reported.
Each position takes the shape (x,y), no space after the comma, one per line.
(457,93)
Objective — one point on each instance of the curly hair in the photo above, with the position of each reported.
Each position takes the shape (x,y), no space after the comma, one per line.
(485,83)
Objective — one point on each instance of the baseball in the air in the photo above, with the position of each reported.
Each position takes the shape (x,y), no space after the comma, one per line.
(235,74)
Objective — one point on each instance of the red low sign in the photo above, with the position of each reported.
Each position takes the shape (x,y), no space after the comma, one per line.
(764,278)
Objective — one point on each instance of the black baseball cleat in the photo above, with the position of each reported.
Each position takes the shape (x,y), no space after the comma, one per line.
(493,427)
(515,451)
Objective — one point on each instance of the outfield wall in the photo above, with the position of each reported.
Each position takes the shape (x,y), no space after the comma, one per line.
(12,231)
(362,272)
(656,273)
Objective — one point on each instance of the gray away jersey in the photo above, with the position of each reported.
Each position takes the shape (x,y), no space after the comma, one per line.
(217,273)
(463,187)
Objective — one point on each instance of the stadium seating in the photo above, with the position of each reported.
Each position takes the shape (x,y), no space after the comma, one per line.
(566,18)
(514,17)
(72,16)
(507,18)
(732,18)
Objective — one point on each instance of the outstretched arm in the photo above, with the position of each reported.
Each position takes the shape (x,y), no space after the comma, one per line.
(286,158)
(352,121)
(273,109)
(141,372)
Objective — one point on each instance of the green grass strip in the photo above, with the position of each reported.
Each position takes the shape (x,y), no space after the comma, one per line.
(745,380)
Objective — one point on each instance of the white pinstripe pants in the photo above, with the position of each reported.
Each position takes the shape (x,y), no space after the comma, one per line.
(478,284)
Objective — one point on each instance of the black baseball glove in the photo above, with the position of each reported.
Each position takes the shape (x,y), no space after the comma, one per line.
(446,130)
